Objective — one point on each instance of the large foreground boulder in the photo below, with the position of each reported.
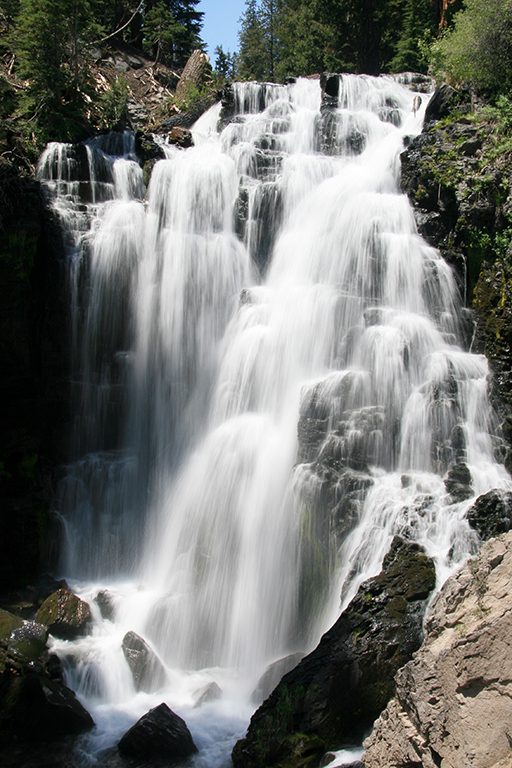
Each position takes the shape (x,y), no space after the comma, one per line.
(35,708)
(332,697)
(65,615)
(159,734)
(453,703)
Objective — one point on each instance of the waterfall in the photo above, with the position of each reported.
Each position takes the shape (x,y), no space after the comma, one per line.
(270,381)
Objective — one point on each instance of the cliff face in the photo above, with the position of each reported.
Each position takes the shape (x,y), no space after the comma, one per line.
(335,692)
(453,704)
(457,175)
(33,357)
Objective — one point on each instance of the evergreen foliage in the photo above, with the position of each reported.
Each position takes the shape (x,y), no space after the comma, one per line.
(303,37)
(49,45)
(225,64)
(50,38)
(161,31)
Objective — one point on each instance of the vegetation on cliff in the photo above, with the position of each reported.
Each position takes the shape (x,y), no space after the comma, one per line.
(49,83)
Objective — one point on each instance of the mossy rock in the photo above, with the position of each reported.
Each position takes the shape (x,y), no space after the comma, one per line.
(8,622)
(22,641)
(65,615)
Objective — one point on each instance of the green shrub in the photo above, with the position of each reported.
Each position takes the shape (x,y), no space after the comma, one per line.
(478,48)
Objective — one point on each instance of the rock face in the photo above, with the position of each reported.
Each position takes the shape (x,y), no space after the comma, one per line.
(453,703)
(491,514)
(457,176)
(36,708)
(160,733)
(32,373)
(146,668)
(64,614)
(334,694)
(273,674)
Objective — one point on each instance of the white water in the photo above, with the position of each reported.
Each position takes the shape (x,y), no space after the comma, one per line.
(195,351)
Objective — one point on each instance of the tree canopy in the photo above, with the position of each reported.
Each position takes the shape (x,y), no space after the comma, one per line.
(302,37)
(478,47)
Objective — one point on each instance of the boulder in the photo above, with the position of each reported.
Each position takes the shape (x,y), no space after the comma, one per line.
(39,709)
(105,602)
(273,674)
(180,136)
(453,701)
(458,482)
(210,692)
(331,698)
(441,103)
(65,615)
(160,733)
(147,670)
(26,639)
(491,514)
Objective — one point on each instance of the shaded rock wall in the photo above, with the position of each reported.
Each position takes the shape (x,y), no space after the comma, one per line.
(453,703)
(332,697)
(33,386)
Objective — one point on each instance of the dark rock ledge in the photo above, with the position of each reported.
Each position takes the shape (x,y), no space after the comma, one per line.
(332,697)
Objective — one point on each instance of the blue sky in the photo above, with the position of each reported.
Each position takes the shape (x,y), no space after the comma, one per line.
(221,24)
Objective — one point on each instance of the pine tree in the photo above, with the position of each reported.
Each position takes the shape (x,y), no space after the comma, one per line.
(50,39)
(252,57)
(418,23)
(190,20)
(224,63)
(161,31)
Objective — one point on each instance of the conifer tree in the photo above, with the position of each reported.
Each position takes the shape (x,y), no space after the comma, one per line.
(161,31)
(252,56)
(190,20)
(50,39)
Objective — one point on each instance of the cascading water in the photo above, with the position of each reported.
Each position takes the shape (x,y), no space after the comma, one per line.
(274,285)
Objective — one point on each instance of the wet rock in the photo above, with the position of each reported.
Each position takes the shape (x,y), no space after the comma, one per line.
(181,137)
(39,709)
(160,733)
(65,615)
(29,640)
(25,639)
(46,585)
(491,514)
(273,675)
(330,85)
(210,692)
(441,103)
(335,692)
(453,701)
(106,604)
(147,670)
(458,482)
